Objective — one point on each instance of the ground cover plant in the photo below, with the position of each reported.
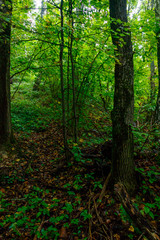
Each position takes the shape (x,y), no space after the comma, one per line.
(79,120)
(42,199)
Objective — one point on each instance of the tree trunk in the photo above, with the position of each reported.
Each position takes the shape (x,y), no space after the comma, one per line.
(42,9)
(157,14)
(73,74)
(152,82)
(123,169)
(62,83)
(5,112)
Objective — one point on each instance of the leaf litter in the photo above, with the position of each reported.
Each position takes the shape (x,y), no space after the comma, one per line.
(39,200)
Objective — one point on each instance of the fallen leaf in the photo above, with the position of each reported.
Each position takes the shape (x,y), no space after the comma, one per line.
(131,228)
(117,237)
(63,233)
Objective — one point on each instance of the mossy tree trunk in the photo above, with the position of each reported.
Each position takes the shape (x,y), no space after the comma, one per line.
(5,33)
(123,169)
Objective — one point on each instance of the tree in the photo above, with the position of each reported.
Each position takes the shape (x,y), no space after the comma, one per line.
(5,33)
(157,14)
(122,115)
(62,81)
(71,37)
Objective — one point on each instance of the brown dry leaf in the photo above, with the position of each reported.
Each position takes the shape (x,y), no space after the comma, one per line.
(2,190)
(154,223)
(117,237)
(63,233)
(141,206)
(108,221)
(81,209)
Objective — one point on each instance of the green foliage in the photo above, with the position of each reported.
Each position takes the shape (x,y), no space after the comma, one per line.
(29,116)
(124,216)
(150,174)
(97,185)
(35,61)
(37,207)
(68,207)
(85,215)
(20,218)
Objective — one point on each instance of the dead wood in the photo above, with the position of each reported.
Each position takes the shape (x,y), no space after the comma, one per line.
(105,231)
(137,218)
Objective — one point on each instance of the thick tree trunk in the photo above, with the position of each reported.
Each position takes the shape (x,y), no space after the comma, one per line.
(5,33)
(157,14)
(123,169)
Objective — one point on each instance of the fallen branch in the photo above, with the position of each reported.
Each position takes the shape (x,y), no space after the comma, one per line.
(95,206)
(138,219)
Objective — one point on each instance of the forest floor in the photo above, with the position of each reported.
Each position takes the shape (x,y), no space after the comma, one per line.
(44,197)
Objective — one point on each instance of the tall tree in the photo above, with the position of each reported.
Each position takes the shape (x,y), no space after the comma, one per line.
(62,81)
(123,169)
(157,14)
(73,70)
(5,33)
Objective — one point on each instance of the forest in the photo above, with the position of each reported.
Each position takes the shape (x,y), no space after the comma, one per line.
(80,119)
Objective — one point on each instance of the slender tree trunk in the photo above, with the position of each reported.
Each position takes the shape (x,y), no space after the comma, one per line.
(152,82)
(68,80)
(157,14)
(62,83)
(36,86)
(152,67)
(123,169)
(5,112)
(42,8)
(73,74)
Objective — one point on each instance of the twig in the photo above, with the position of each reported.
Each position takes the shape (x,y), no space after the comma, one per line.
(104,227)
(39,228)
(140,236)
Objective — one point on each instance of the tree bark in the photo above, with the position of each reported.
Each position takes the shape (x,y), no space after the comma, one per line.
(152,82)
(5,34)
(73,74)
(62,83)
(123,169)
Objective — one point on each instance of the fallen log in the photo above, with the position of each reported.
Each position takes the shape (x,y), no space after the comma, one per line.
(137,218)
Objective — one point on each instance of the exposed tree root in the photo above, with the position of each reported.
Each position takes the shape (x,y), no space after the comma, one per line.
(104,187)
(138,219)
